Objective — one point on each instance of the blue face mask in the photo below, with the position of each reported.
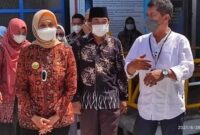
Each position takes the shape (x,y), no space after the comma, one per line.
(151,25)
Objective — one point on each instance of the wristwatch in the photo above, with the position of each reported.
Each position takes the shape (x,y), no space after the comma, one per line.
(165,72)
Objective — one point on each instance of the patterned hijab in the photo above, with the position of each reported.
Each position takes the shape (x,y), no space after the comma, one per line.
(11,52)
(44,15)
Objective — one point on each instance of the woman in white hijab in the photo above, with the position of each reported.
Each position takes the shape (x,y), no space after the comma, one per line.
(46,81)
(60,34)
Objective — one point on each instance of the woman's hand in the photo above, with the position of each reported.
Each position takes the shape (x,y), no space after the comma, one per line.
(48,128)
(45,130)
(54,119)
(40,122)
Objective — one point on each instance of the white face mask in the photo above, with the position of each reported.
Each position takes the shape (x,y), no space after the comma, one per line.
(129,26)
(100,30)
(47,34)
(19,38)
(60,38)
(76,28)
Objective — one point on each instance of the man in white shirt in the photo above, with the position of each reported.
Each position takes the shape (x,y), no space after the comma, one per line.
(163,60)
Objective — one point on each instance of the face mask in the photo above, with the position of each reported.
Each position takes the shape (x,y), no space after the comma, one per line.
(151,25)
(129,26)
(47,34)
(60,38)
(100,30)
(76,28)
(19,38)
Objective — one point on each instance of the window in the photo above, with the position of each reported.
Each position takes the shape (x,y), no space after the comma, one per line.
(25,10)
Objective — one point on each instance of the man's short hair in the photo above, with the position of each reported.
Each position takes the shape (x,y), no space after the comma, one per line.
(80,16)
(163,6)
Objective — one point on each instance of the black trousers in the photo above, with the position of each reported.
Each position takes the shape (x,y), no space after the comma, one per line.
(99,122)
(56,131)
(168,127)
(9,129)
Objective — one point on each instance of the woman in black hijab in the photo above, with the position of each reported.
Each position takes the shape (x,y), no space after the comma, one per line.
(129,34)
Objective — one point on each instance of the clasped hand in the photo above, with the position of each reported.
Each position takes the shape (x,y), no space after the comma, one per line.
(45,125)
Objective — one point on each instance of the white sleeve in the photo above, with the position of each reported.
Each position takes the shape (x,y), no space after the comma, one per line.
(184,70)
(132,54)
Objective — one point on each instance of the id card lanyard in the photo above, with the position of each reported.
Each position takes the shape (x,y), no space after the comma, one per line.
(156,58)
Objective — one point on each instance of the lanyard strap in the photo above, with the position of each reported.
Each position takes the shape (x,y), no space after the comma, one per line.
(150,46)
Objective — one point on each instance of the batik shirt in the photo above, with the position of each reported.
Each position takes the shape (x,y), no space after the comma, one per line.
(73,41)
(46,98)
(73,37)
(102,81)
(7,106)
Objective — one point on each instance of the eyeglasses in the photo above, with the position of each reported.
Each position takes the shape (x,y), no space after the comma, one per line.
(60,34)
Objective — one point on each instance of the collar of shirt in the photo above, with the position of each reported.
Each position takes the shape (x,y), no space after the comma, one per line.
(106,41)
(157,45)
